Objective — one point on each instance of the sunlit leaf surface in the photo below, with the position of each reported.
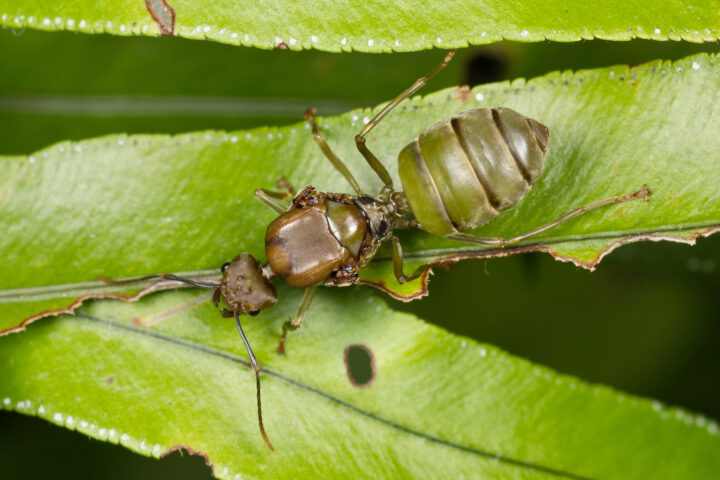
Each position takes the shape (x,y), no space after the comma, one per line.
(439,405)
(123,206)
(375,26)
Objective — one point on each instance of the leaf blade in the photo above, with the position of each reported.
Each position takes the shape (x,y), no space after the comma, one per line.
(465,396)
(602,124)
(375,26)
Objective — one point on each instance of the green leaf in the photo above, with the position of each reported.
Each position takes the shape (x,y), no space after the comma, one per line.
(439,406)
(372,26)
(123,206)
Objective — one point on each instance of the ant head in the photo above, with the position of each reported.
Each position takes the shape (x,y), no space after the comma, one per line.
(245,287)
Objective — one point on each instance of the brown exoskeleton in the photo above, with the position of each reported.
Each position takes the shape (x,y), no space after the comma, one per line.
(456,176)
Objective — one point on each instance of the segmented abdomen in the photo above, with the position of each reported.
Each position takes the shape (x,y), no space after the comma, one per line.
(458,174)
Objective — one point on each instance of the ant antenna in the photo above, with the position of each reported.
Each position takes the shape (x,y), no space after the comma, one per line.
(256,369)
(162,276)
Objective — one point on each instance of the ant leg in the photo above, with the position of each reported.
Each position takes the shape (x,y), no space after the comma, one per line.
(372,160)
(266,197)
(397,257)
(284,184)
(334,159)
(297,321)
(501,242)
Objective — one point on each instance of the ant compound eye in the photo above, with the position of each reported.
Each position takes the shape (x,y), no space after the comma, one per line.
(254,312)
(224,267)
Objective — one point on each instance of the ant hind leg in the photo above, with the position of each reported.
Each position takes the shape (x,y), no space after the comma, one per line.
(643,193)
(372,160)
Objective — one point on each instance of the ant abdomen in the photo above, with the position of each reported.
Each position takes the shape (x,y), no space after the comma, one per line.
(460,173)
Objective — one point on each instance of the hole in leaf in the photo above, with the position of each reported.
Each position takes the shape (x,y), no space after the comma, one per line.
(360,365)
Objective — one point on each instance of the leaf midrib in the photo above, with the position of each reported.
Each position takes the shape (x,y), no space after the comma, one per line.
(194,347)
(47,292)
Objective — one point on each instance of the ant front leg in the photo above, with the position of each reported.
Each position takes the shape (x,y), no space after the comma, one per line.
(287,186)
(267,197)
(297,321)
(372,160)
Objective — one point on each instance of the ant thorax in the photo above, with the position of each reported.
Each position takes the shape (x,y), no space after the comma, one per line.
(326,237)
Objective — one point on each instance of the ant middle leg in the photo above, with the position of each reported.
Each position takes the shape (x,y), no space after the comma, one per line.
(372,160)
(297,321)
(334,159)
(643,193)
(397,258)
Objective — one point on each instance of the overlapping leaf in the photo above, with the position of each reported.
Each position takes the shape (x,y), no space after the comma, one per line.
(374,26)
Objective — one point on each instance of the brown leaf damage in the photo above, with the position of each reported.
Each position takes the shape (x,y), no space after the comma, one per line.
(70,309)
(163,14)
(447,261)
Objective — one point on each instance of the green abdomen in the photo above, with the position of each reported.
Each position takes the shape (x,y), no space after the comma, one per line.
(460,173)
